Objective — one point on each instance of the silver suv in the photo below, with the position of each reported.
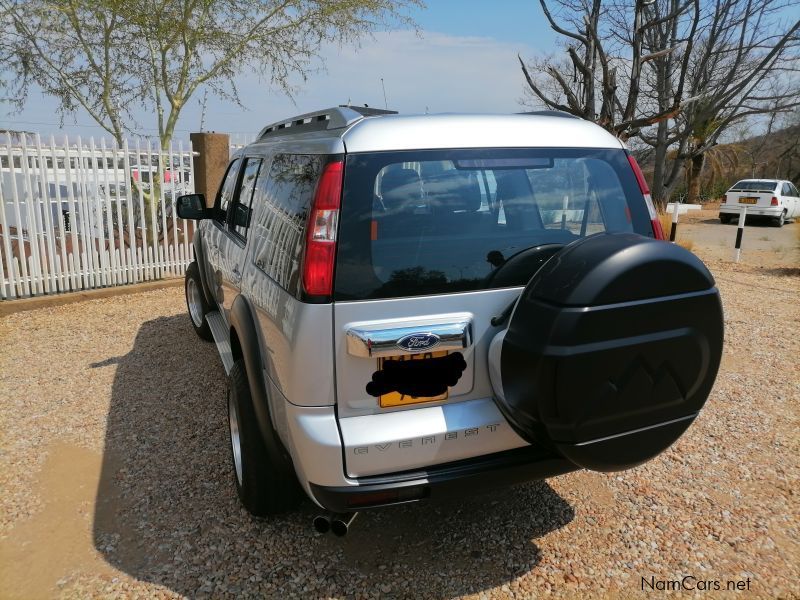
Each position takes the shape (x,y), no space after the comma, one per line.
(415,306)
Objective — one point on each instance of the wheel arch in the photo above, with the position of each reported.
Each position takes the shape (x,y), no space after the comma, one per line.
(246,345)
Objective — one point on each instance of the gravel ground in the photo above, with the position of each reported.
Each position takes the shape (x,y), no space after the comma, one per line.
(762,243)
(115,480)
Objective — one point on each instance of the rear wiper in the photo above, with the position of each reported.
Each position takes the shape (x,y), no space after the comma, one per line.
(503,316)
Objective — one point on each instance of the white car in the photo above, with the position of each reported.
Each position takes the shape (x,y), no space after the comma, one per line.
(774,198)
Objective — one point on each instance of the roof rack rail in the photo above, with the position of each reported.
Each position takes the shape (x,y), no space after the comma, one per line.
(551,113)
(321,120)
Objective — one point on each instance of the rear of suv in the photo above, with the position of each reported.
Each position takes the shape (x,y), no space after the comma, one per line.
(414,306)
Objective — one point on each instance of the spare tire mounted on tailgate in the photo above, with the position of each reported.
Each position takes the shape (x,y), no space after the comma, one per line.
(611,350)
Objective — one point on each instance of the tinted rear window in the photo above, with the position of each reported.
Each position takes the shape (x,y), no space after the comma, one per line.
(433,222)
(755,186)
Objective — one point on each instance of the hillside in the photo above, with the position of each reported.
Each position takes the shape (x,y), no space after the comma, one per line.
(776,155)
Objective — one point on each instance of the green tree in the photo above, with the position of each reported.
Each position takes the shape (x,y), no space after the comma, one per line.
(110,57)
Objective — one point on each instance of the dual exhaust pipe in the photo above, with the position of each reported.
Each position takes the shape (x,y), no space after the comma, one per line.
(337,523)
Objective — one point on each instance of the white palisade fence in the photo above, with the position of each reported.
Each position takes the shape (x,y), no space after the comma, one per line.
(78,214)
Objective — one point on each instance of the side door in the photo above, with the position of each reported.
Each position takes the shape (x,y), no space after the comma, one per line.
(216,233)
(795,212)
(234,241)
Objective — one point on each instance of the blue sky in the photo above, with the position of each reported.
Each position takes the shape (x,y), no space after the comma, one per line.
(463,60)
(512,21)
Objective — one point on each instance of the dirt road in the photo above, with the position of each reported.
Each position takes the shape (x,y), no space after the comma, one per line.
(763,245)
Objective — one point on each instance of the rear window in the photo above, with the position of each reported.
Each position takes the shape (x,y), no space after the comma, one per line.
(433,222)
(754,186)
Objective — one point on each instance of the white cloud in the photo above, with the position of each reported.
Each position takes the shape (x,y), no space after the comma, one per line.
(441,72)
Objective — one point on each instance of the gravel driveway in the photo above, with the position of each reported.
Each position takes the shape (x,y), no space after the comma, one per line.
(115,480)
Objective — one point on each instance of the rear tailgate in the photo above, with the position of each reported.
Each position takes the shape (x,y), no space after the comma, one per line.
(752,193)
(392,433)
(431,245)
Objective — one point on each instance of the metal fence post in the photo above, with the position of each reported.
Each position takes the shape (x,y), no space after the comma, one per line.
(673,231)
(739,233)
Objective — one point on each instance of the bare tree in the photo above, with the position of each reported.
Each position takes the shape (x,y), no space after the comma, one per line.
(788,161)
(675,74)
(608,49)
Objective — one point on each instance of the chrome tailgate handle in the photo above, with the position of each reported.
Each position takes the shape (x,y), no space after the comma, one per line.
(398,341)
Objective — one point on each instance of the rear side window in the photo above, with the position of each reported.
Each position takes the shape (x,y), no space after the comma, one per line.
(284,198)
(433,222)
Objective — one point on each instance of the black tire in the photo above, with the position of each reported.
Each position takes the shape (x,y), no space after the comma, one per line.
(265,483)
(196,302)
(779,221)
(724,219)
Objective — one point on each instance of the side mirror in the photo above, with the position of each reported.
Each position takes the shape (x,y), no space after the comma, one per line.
(241,215)
(192,206)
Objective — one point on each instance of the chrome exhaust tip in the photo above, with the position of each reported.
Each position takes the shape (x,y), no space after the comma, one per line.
(341,523)
(322,523)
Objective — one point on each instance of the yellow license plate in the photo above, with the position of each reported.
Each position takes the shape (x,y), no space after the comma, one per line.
(397,399)
(748,200)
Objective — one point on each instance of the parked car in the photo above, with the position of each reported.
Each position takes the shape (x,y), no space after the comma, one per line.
(776,199)
(399,322)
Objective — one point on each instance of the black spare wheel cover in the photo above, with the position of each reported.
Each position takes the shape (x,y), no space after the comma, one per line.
(612,349)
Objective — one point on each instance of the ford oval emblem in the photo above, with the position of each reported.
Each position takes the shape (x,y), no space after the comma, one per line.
(418,342)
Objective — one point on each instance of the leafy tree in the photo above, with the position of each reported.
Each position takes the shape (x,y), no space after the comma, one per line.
(110,57)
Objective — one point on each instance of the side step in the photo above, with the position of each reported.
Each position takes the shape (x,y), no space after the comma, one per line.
(220,332)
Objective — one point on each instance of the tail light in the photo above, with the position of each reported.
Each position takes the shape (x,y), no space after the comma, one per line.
(725,199)
(774,201)
(658,233)
(321,232)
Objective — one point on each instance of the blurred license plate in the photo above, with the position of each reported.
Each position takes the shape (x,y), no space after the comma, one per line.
(748,200)
(396,399)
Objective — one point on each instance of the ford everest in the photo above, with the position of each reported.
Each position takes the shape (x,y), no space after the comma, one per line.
(414,306)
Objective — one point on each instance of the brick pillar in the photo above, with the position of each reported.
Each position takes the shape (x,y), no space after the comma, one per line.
(209,166)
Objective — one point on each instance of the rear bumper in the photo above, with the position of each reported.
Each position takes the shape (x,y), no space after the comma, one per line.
(458,479)
(761,211)
(312,436)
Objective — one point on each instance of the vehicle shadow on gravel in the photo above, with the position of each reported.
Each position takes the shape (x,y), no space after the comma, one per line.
(166,510)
